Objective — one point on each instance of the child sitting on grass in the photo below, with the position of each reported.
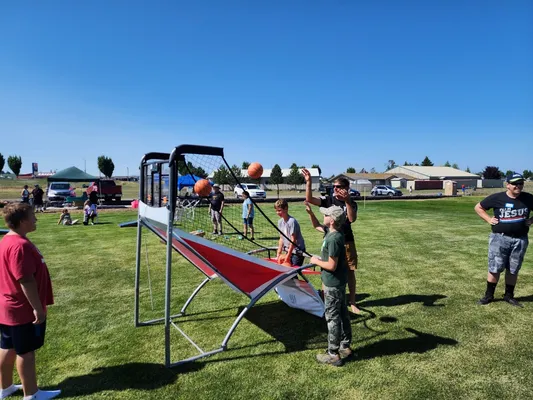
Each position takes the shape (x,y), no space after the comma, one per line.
(334,278)
(65,218)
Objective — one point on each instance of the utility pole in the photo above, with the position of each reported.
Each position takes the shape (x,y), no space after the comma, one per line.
(84,165)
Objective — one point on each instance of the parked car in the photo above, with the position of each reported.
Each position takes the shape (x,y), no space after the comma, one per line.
(355,193)
(254,190)
(58,191)
(385,190)
(107,189)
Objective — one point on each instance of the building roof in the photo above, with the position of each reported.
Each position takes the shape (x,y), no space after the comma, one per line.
(446,172)
(368,176)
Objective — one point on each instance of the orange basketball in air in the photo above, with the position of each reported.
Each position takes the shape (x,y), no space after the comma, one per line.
(255,170)
(202,188)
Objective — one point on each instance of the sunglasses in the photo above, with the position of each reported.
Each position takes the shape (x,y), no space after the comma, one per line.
(517,184)
(339,186)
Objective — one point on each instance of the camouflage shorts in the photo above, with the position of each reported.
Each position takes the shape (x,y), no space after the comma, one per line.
(337,318)
(506,253)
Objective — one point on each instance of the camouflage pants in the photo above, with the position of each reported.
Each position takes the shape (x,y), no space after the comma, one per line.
(337,318)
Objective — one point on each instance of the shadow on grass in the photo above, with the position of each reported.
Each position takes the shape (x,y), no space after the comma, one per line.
(420,343)
(139,376)
(296,329)
(427,300)
(525,299)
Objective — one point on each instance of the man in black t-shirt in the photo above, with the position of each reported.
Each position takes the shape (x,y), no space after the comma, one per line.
(341,197)
(216,205)
(37,194)
(508,241)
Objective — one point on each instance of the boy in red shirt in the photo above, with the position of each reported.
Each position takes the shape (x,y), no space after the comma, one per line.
(25,291)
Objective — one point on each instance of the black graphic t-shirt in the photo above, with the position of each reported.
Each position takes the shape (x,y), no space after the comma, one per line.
(328,201)
(512,213)
(216,200)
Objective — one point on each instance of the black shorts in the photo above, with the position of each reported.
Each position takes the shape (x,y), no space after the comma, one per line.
(22,338)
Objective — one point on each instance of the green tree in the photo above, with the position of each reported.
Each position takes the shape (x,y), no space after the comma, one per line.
(391,164)
(492,172)
(454,165)
(295,177)
(237,172)
(2,162)
(221,176)
(527,174)
(350,170)
(189,168)
(15,164)
(427,162)
(363,171)
(372,170)
(245,164)
(317,166)
(106,166)
(468,169)
(276,177)
(406,164)
(509,172)
(447,164)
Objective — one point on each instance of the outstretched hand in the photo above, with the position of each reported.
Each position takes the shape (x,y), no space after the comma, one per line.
(306,174)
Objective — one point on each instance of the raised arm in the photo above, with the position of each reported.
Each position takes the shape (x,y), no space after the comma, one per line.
(314,221)
(309,188)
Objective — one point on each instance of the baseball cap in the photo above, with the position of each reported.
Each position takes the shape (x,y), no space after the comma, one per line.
(515,178)
(334,212)
(216,186)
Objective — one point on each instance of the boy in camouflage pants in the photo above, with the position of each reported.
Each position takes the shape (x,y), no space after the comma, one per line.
(334,276)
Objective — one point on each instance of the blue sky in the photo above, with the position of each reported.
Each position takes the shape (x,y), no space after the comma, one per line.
(344,83)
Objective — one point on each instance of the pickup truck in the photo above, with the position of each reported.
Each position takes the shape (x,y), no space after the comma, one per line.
(106,189)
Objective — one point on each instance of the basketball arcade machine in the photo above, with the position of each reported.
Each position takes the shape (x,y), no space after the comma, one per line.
(241,270)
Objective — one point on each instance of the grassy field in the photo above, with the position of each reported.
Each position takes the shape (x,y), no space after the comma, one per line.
(421,336)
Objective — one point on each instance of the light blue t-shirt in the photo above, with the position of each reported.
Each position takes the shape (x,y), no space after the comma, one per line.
(247,202)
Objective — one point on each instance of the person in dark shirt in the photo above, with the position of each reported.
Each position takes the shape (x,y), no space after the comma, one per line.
(37,194)
(216,206)
(340,198)
(508,241)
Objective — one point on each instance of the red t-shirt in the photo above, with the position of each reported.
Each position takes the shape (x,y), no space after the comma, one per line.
(18,258)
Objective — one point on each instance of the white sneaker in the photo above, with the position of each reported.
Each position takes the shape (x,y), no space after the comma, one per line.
(43,395)
(9,391)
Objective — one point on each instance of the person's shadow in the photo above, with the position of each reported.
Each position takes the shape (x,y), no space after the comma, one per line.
(427,300)
(420,343)
(525,299)
(139,376)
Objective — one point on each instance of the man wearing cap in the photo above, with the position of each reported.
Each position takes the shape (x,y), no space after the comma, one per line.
(508,241)
(216,205)
(334,274)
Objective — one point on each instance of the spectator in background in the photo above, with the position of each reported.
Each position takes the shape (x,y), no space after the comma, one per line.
(89,212)
(248,214)
(37,194)
(25,195)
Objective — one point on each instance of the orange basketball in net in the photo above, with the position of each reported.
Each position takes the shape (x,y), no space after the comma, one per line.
(202,188)
(255,170)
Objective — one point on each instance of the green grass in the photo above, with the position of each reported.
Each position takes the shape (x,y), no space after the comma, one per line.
(422,269)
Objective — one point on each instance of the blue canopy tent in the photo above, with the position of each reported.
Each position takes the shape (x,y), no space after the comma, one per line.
(188,181)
